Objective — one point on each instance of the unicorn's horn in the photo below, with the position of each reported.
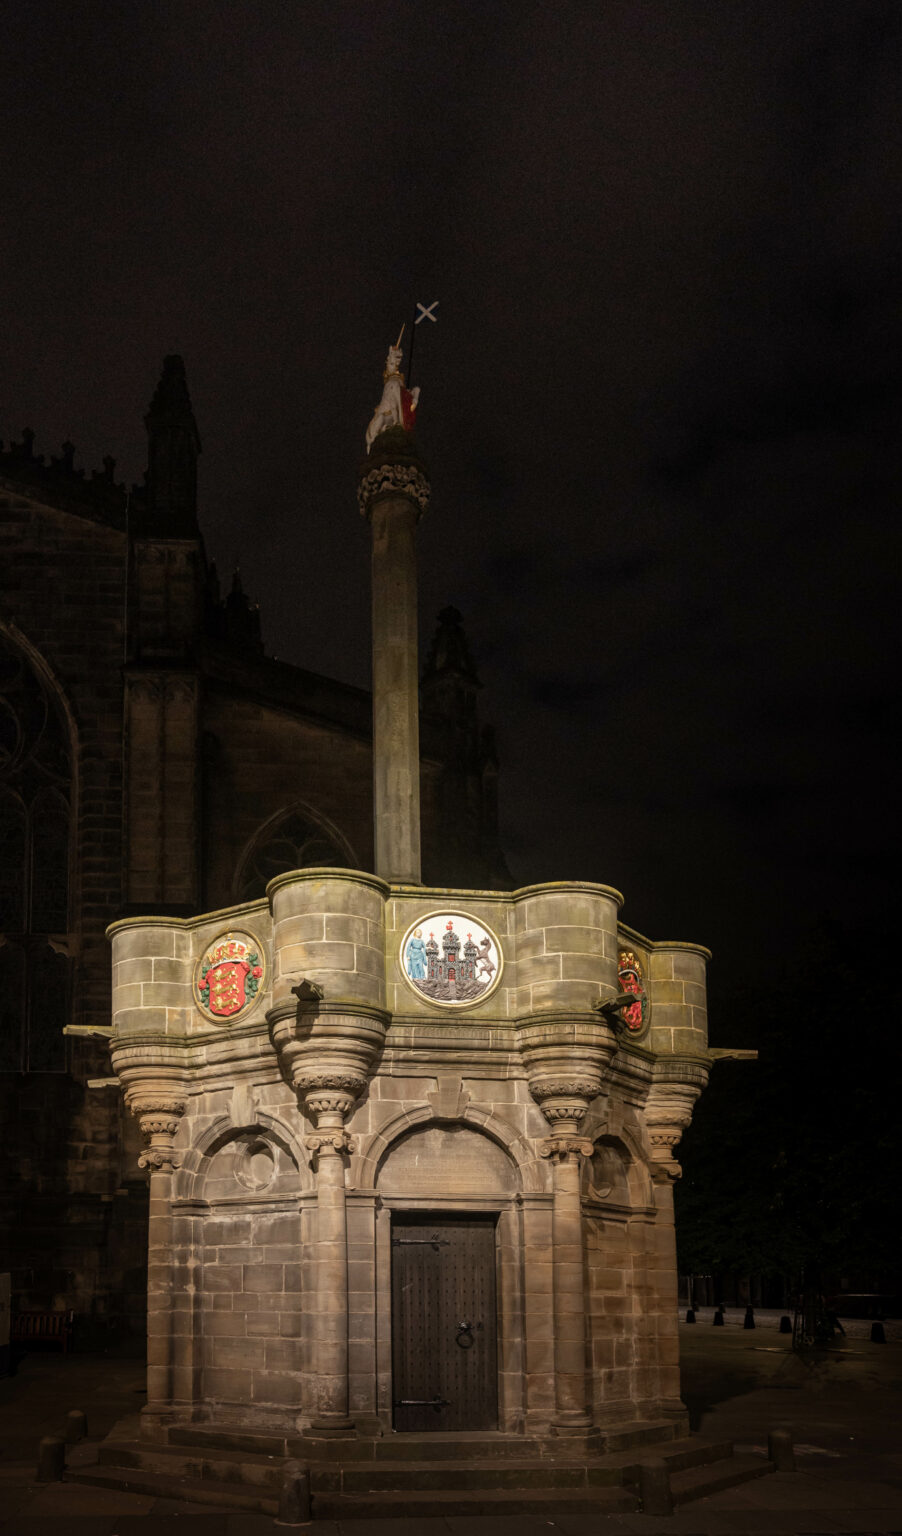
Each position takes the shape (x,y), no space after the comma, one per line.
(403,329)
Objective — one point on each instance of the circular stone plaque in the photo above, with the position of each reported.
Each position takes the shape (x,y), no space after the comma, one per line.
(451,959)
(229,974)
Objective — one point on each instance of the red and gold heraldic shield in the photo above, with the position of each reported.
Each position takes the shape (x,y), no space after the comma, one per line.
(229,975)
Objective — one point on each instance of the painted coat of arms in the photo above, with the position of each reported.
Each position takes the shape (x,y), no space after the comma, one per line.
(451,959)
(229,975)
(629,971)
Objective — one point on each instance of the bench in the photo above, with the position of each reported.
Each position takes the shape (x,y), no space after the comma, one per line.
(45,1327)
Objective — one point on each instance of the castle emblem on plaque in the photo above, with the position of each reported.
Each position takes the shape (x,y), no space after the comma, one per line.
(229,975)
(451,959)
(629,972)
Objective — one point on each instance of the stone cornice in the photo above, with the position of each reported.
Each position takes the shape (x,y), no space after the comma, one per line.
(326,872)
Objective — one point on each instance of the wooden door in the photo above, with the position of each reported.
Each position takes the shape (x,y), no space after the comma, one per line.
(444,1336)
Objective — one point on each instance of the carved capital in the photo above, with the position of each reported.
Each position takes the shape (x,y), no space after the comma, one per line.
(565,1147)
(328,1144)
(392,479)
(158,1115)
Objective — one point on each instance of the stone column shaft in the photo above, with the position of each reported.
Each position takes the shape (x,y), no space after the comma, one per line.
(396,723)
(571,1411)
(332,1290)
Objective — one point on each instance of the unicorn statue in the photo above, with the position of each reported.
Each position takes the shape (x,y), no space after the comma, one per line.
(398,406)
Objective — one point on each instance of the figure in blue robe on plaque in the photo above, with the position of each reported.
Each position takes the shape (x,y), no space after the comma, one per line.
(416,957)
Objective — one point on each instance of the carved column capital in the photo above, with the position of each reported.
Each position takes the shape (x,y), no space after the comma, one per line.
(566,1147)
(328,1143)
(158,1115)
(667,1112)
(391,478)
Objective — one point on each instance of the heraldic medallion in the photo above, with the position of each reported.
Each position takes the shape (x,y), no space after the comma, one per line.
(629,972)
(451,959)
(229,975)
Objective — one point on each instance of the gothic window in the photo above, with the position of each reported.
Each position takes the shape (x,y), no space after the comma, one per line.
(35,774)
(295,839)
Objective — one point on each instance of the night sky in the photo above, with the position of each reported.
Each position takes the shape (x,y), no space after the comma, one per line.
(660,406)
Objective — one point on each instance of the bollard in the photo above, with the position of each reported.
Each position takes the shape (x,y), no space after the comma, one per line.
(878,1333)
(779,1449)
(294,1495)
(785,1324)
(76,1426)
(654,1487)
(51,1459)
(749,1320)
(718,1317)
(690,1315)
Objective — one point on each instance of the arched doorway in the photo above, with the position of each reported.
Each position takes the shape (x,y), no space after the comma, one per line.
(448,1194)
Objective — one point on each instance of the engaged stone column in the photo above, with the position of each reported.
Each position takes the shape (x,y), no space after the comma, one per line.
(667,1112)
(565,1149)
(328,1147)
(393,494)
(168,1374)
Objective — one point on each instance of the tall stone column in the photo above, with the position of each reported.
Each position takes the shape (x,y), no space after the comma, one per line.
(393,494)
(667,1112)
(328,1147)
(169,1333)
(564,1104)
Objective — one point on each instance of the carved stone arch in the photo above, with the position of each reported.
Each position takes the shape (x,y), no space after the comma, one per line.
(217,1135)
(531,1174)
(624,1143)
(295,837)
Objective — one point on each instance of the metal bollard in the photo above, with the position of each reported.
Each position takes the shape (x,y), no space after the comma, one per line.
(749,1320)
(654,1487)
(718,1317)
(294,1495)
(878,1333)
(51,1459)
(785,1324)
(690,1315)
(76,1426)
(779,1449)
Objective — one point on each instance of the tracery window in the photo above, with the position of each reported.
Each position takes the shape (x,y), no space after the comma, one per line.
(295,839)
(35,788)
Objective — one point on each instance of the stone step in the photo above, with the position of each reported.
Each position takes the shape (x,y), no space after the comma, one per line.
(188,1489)
(423,1505)
(231,1438)
(698,1482)
(221,1464)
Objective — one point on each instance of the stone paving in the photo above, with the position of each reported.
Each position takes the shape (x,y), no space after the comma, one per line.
(843,1406)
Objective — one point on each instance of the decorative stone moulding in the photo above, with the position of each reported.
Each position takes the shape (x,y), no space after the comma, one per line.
(451,959)
(229,976)
(158,1113)
(668,1111)
(327,1054)
(393,479)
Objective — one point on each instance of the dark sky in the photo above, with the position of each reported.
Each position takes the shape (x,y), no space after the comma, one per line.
(661,404)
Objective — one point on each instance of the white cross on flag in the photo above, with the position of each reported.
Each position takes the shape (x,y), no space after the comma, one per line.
(426,312)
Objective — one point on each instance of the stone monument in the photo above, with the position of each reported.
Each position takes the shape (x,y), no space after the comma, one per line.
(411,1150)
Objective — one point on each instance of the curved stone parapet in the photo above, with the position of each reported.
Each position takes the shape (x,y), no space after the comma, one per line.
(329,929)
(566,945)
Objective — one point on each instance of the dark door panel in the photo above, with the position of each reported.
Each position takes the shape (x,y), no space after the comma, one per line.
(444,1339)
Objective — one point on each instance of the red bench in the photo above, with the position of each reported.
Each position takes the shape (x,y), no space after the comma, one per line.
(48,1327)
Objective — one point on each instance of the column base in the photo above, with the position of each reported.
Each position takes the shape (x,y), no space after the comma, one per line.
(338,1424)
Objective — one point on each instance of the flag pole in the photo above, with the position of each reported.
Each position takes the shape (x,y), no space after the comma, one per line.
(413,337)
